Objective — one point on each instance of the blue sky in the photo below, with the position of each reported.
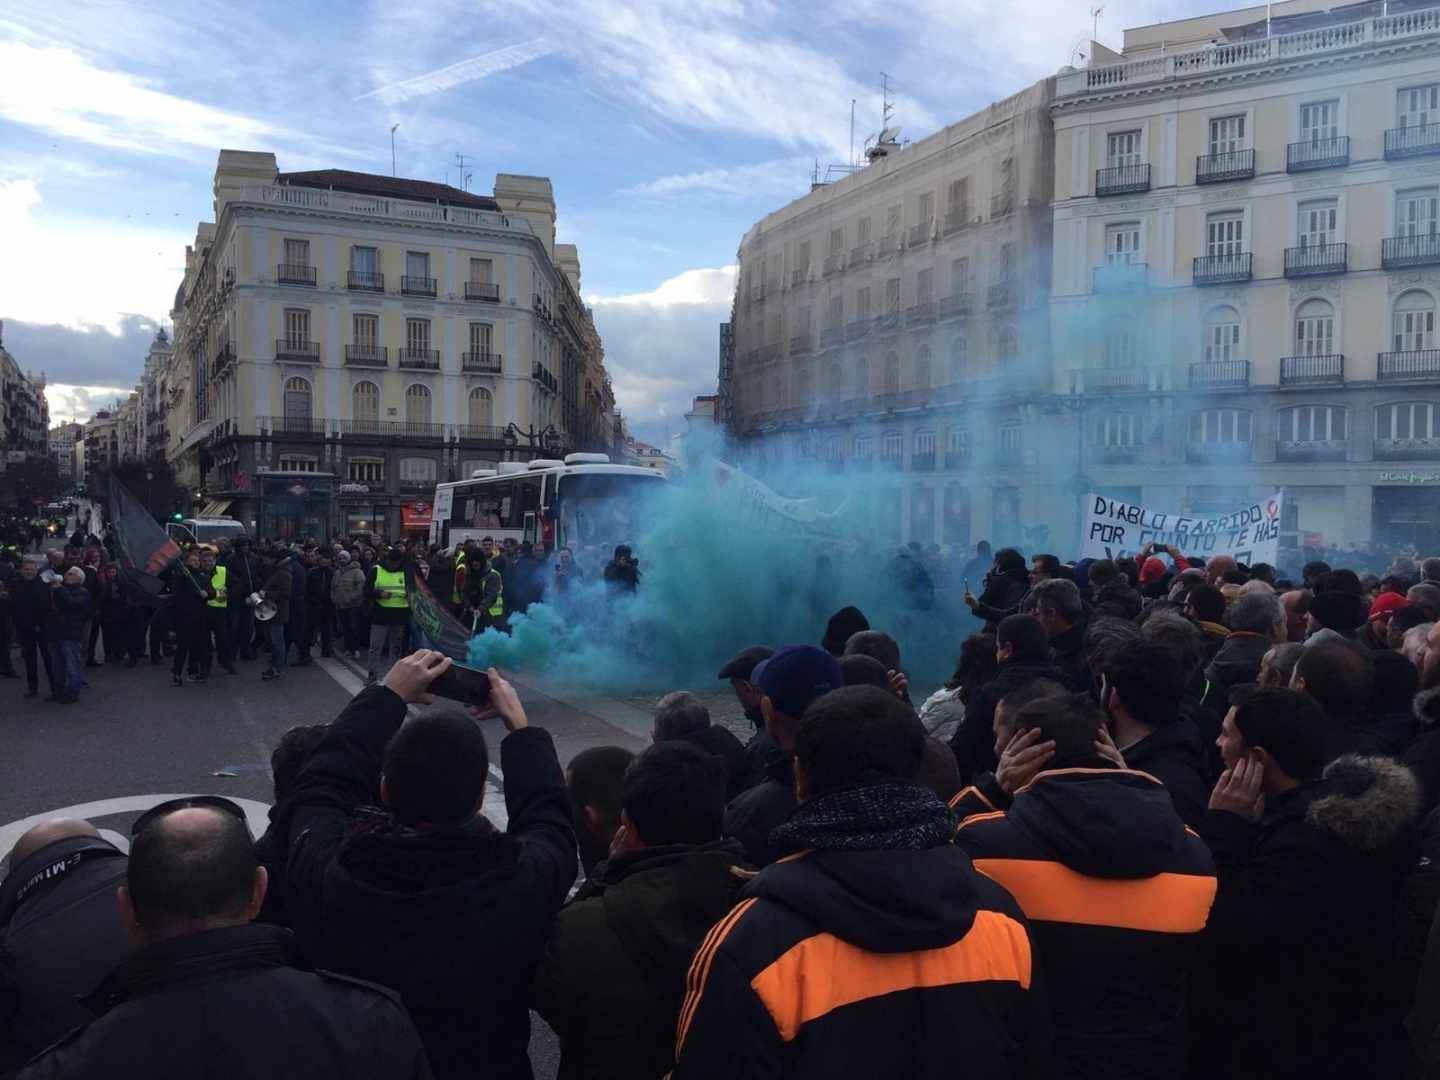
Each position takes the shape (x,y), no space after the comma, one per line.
(668,128)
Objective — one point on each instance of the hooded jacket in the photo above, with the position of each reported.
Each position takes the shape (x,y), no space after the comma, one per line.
(452,916)
(1236,664)
(241,569)
(347,589)
(235,1003)
(752,814)
(1004,594)
(613,975)
(1174,755)
(1117,891)
(974,740)
(1301,952)
(871,963)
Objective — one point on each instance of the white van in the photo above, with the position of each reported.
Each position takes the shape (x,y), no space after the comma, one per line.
(204,530)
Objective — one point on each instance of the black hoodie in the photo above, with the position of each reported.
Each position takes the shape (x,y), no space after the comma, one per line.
(1174,755)
(1117,891)
(888,963)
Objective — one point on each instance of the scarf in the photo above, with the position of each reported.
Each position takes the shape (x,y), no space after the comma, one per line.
(886,816)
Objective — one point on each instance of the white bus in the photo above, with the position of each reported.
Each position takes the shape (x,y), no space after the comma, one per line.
(581,502)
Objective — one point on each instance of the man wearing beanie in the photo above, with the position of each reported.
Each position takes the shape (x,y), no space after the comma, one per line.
(788,682)
(760,749)
(1376,632)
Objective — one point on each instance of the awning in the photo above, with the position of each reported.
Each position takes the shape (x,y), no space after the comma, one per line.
(215,508)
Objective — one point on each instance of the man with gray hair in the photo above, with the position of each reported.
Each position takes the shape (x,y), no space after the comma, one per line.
(683,717)
(1062,616)
(1256,621)
(1425,596)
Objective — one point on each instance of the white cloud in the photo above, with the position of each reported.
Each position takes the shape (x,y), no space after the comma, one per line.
(72,403)
(701,286)
(58,92)
(783,178)
(477,67)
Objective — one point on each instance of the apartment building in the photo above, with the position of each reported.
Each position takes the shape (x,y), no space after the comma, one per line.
(62,440)
(343,341)
(24,412)
(153,395)
(897,321)
(102,444)
(1247,265)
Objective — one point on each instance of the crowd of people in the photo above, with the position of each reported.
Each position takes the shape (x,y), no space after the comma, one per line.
(1168,818)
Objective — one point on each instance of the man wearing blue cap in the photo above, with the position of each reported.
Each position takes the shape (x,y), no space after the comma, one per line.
(788,682)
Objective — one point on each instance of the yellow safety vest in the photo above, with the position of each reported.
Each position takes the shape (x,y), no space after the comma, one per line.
(217,582)
(498,608)
(391,579)
(459,566)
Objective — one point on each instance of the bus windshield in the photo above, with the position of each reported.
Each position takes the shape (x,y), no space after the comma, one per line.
(602,511)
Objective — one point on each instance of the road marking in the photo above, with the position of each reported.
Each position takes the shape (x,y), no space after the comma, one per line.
(257,814)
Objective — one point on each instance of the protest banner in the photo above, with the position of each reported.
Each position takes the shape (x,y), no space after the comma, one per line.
(1250,534)
(443,632)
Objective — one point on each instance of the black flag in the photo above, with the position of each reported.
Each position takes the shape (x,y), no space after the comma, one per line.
(446,633)
(142,548)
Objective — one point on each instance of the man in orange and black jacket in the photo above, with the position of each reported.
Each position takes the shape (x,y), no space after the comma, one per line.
(1115,887)
(870,935)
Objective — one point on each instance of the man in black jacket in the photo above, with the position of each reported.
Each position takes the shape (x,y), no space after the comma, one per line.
(613,975)
(1061,612)
(426,896)
(243,577)
(683,716)
(208,994)
(1256,621)
(761,748)
(60,932)
(1304,941)
(30,600)
(1024,655)
(319,609)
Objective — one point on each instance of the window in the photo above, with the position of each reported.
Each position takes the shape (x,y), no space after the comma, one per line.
(1406,420)
(1222,336)
(1007,346)
(297,463)
(1315,329)
(297,327)
(365,260)
(1007,436)
(892,374)
(417,334)
(1117,348)
(417,472)
(481,335)
(837,240)
(366,329)
(1225,233)
(837,312)
(892,446)
(1122,148)
(862,232)
(1415,212)
(924,286)
(960,276)
(1414,323)
(864,447)
(365,470)
(1319,121)
(1220,426)
(802,260)
(417,264)
(1318,222)
(417,404)
(835,382)
(958,203)
(1227,134)
(297,399)
(923,374)
(957,359)
(835,448)
(1121,429)
(924,444)
(1418,106)
(892,221)
(892,296)
(1311,423)
(365,401)
(1006,266)
(862,303)
(957,443)
(862,378)
(482,408)
(482,271)
(1122,243)
(297,252)
(927,208)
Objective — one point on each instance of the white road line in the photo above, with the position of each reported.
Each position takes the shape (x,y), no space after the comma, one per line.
(256,813)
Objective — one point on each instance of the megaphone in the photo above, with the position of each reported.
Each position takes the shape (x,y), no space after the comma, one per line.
(265,610)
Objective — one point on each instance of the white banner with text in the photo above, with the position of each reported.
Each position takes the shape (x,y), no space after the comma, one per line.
(1250,534)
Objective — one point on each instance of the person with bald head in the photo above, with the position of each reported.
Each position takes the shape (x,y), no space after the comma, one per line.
(60,932)
(1217,567)
(206,992)
(65,625)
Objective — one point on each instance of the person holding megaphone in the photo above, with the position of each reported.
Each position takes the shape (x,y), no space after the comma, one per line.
(274,601)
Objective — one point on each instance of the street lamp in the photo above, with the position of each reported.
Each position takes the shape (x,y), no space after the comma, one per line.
(150,490)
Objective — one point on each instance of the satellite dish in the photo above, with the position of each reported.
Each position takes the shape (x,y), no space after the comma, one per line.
(890,134)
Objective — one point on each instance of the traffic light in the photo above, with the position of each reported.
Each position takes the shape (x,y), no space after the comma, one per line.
(177,516)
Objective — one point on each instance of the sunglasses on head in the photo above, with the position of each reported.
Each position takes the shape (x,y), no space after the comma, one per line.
(213,802)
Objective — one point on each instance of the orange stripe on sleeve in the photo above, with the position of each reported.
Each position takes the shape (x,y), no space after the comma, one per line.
(1050,892)
(973,818)
(823,973)
(971,790)
(700,969)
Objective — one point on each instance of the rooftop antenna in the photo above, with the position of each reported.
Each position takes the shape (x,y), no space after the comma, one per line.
(392,148)
(852,132)
(1095,13)
(464,176)
(887,101)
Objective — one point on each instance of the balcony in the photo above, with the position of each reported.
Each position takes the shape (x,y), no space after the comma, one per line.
(856,330)
(417,286)
(1119,276)
(1000,294)
(1118,380)
(1325,369)
(1403,252)
(799,276)
(861,252)
(364,281)
(921,314)
(295,274)
(297,350)
(830,337)
(372,356)
(956,219)
(1128,454)
(224,357)
(1318,154)
(298,426)
(833,264)
(888,322)
(957,459)
(922,462)
(488,291)
(413,359)
(1414,365)
(414,486)
(481,363)
(1220,375)
(1222,168)
(1009,455)
(542,376)
(1311,450)
(1421,449)
(1122,180)
(479,433)
(1001,203)
(1419,140)
(920,234)
(956,307)
(1218,453)
(1315,260)
(1223,269)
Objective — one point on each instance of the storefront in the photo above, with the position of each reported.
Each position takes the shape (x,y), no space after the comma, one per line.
(295,505)
(415,518)
(1407,509)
